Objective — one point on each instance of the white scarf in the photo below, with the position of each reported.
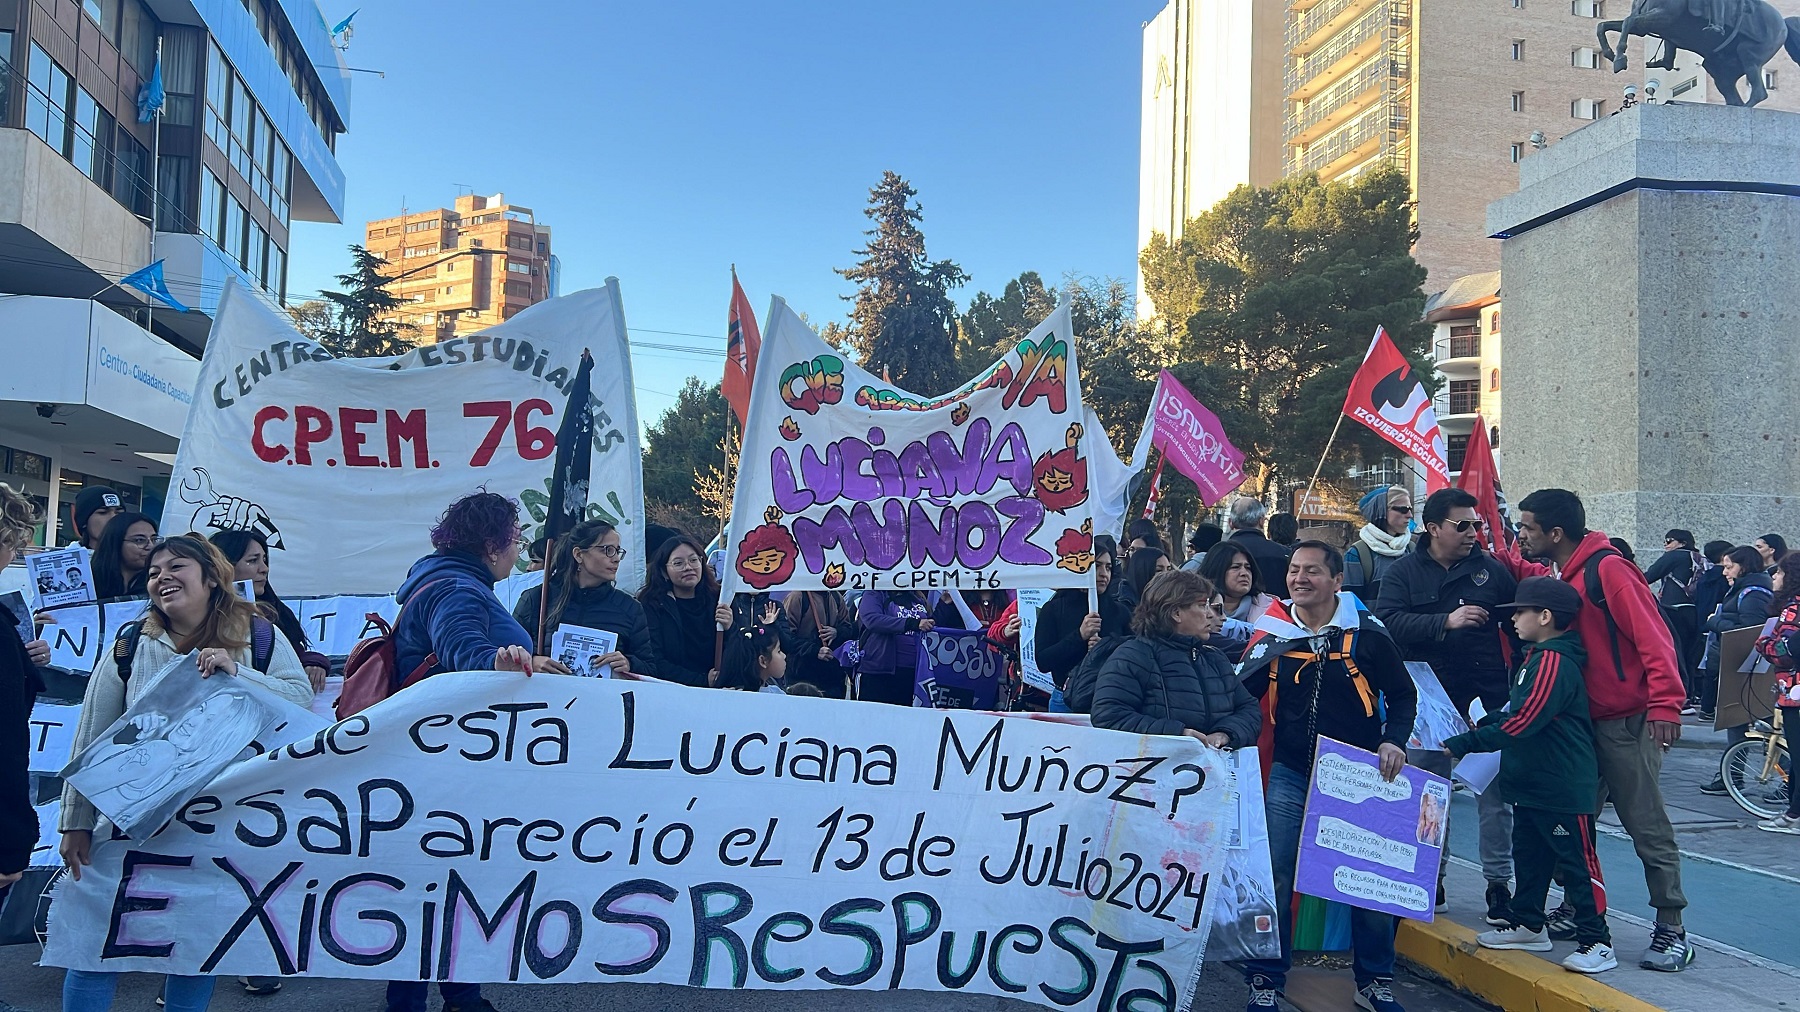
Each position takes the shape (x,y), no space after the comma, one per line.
(1382,543)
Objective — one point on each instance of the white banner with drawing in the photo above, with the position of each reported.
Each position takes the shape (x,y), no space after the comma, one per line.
(483,826)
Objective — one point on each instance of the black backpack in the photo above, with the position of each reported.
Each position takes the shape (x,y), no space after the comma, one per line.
(262,646)
(1079,692)
(1596,595)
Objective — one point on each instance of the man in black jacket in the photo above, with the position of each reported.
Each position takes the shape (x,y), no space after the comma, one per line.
(1247,516)
(1441,601)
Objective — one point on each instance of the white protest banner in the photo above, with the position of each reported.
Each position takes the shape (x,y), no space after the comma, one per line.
(335,625)
(81,634)
(1030,600)
(45,855)
(484,826)
(1245,921)
(344,464)
(849,482)
(52,736)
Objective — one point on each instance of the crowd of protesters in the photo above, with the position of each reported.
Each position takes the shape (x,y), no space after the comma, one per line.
(1583,664)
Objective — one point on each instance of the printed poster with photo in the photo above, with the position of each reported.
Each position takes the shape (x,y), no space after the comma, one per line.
(1244,924)
(60,577)
(576,647)
(1368,842)
(181,733)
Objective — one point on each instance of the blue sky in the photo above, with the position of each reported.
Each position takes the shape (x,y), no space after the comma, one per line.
(665,142)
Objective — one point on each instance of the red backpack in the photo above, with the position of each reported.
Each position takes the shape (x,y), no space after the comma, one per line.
(371,670)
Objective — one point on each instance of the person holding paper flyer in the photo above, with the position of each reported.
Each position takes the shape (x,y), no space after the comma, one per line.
(581,583)
(1549,774)
(1329,669)
(1441,601)
(193,610)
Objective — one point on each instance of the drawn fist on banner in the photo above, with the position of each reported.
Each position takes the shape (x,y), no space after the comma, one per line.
(225,512)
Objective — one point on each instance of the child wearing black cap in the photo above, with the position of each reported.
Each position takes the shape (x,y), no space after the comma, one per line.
(1549,774)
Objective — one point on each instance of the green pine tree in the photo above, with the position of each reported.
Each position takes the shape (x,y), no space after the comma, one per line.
(903,319)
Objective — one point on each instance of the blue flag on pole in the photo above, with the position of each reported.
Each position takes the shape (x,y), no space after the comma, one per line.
(150,95)
(150,282)
(345,24)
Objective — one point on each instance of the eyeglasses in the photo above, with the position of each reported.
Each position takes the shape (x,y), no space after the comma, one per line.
(691,562)
(610,551)
(143,541)
(1465,526)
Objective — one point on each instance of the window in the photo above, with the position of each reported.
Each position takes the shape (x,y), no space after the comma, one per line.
(518,267)
(450,290)
(1465,398)
(1494,437)
(1585,57)
(1459,449)
(1686,86)
(181,71)
(173,212)
(1494,381)
(420,251)
(131,177)
(218,84)
(1518,49)
(421,226)
(1586,108)
(1465,341)
(47,101)
(1518,152)
(1518,4)
(212,207)
(519,242)
(83,150)
(1494,322)
(237,232)
(105,14)
(1587,8)
(521,289)
(1769,79)
(1518,101)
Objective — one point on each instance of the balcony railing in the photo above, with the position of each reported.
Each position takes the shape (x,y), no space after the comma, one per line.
(1468,346)
(1304,68)
(1458,403)
(1352,87)
(1334,146)
(1305,26)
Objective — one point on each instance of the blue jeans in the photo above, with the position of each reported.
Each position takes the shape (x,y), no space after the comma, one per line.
(1371,932)
(92,991)
(410,995)
(1057,703)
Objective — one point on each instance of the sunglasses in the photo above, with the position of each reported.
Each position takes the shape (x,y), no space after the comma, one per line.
(1400,509)
(1465,526)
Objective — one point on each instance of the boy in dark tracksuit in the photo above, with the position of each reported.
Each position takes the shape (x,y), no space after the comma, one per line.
(1550,775)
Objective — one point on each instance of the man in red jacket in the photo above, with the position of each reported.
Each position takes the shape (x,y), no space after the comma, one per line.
(1634,691)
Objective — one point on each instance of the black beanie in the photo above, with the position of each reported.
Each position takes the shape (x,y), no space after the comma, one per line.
(92,498)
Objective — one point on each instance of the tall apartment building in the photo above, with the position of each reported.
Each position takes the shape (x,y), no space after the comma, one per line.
(465,268)
(98,380)
(1452,92)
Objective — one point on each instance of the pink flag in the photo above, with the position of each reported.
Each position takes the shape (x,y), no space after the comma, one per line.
(1193,441)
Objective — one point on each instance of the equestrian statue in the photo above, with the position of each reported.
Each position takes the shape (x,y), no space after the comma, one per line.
(1734,38)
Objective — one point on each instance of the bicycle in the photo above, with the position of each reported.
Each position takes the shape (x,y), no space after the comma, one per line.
(1759,766)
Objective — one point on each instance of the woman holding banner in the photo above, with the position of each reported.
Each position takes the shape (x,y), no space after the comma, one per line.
(580,582)
(193,610)
(817,622)
(248,553)
(123,553)
(681,605)
(1166,680)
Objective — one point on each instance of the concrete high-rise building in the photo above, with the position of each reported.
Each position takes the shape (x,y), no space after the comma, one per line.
(1452,93)
(465,268)
(96,386)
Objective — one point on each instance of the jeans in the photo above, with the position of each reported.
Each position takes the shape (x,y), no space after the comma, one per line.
(1057,703)
(410,995)
(1494,815)
(92,991)
(1371,932)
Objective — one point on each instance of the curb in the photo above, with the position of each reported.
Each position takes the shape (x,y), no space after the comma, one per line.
(1514,981)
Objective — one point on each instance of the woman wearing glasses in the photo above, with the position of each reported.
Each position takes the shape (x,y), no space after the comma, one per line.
(123,554)
(1166,680)
(681,603)
(580,581)
(1384,540)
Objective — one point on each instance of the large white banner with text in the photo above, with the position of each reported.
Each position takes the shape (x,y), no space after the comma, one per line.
(490,827)
(344,464)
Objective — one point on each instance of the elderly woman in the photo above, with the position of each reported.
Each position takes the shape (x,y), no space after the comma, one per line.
(1383,541)
(1166,680)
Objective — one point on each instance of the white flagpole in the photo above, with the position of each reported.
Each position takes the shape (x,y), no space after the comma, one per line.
(155,195)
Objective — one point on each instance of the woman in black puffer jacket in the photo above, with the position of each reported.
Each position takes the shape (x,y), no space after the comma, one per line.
(1166,680)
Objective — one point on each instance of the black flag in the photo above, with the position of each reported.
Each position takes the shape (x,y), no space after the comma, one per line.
(574,452)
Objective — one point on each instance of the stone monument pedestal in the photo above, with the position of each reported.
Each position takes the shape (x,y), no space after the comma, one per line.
(1650,272)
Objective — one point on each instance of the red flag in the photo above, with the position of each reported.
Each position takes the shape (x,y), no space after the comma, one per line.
(1480,478)
(1387,397)
(1155,490)
(741,347)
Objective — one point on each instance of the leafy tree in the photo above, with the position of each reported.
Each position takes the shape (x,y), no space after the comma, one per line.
(682,449)
(362,320)
(991,324)
(903,317)
(1268,302)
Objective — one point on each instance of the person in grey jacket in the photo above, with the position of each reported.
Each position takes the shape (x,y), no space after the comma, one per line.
(1166,680)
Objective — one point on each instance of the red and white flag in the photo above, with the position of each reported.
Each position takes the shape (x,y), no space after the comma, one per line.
(1155,491)
(1386,396)
(741,346)
(1480,477)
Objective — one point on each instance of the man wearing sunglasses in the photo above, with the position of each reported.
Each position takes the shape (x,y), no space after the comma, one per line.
(1442,604)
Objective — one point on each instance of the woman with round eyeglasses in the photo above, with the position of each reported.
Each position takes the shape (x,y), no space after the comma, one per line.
(123,555)
(681,604)
(581,581)
(1166,680)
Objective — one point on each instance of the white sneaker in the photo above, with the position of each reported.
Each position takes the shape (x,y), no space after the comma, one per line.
(1594,957)
(1516,936)
(1781,824)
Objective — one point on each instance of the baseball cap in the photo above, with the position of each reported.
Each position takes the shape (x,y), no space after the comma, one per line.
(1546,593)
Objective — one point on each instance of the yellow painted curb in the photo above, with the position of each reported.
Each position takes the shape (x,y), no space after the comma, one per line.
(1515,981)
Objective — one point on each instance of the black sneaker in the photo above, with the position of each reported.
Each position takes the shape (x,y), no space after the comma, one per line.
(1716,788)
(1706,716)
(1378,996)
(1560,923)
(1499,903)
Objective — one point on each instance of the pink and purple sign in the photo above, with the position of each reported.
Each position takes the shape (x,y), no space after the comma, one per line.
(1369,842)
(1192,439)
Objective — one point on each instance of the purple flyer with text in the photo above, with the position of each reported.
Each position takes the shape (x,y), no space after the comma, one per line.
(1369,842)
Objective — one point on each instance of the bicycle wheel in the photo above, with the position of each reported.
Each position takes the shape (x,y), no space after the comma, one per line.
(1749,776)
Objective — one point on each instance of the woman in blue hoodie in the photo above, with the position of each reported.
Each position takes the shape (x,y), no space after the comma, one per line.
(449,611)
